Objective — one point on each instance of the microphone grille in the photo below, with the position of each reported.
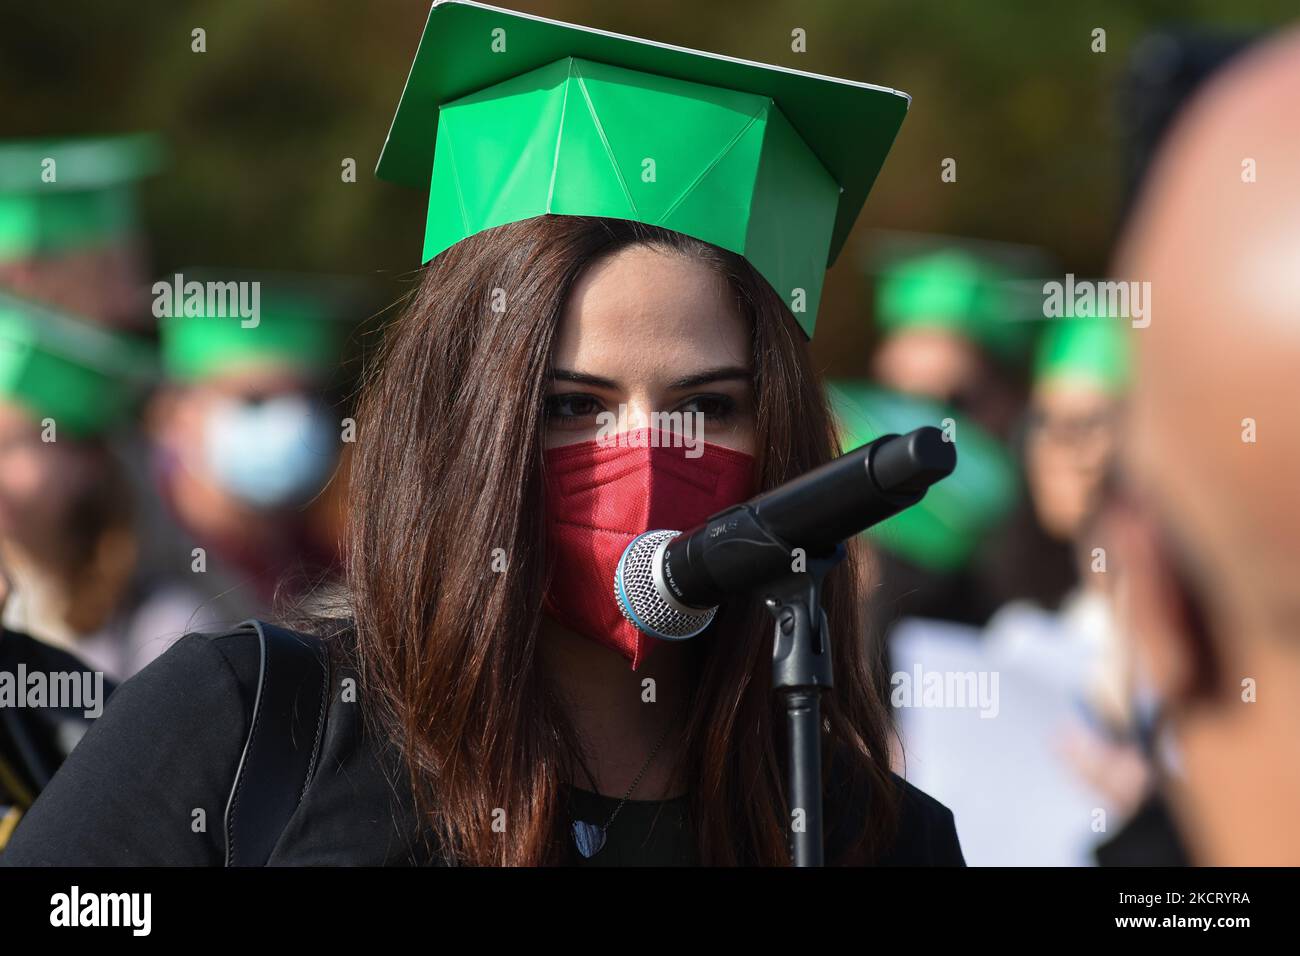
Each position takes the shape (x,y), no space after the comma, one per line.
(643,602)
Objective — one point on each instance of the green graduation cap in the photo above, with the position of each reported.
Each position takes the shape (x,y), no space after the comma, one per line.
(507,116)
(944,529)
(1093,350)
(58,195)
(211,321)
(82,376)
(952,288)
(987,291)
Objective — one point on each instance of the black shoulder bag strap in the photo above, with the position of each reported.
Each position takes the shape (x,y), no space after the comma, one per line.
(283,742)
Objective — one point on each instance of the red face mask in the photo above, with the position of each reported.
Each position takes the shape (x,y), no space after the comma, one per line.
(599,498)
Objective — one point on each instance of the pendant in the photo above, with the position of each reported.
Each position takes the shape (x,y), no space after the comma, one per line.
(589,837)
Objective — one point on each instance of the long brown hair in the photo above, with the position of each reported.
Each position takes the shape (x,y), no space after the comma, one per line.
(448,469)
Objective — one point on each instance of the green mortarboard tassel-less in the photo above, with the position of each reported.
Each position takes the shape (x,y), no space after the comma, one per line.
(1093,351)
(63,195)
(955,290)
(942,532)
(507,116)
(82,376)
(292,330)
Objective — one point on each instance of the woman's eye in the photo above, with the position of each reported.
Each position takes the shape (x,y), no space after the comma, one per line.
(572,406)
(715,407)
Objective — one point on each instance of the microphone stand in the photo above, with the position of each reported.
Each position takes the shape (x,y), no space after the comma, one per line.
(750,542)
(801,671)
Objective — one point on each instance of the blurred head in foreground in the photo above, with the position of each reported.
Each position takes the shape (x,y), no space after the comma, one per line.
(1207,522)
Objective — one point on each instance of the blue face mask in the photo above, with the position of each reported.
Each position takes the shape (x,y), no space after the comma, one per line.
(271,453)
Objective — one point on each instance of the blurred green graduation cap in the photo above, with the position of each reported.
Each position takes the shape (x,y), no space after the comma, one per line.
(987,292)
(942,531)
(213,321)
(58,195)
(83,376)
(1090,350)
(507,116)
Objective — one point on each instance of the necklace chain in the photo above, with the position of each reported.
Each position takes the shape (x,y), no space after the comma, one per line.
(636,782)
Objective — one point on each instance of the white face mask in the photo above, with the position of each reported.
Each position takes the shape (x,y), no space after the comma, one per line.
(271,453)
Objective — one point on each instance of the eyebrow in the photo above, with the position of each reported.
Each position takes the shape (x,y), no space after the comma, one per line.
(721,374)
(582,378)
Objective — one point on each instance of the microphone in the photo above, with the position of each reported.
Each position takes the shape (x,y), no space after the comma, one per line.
(669,584)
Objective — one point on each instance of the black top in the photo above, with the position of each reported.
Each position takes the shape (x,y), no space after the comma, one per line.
(36,737)
(1149,838)
(149,782)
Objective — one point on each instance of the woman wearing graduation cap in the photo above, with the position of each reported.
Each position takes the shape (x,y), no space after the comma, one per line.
(615,228)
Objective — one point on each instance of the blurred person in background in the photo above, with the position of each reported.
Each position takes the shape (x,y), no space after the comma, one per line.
(1081,372)
(1057,743)
(68,517)
(1080,378)
(70,231)
(1081,375)
(952,333)
(82,553)
(246,432)
(955,314)
(1206,524)
(69,587)
(35,740)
